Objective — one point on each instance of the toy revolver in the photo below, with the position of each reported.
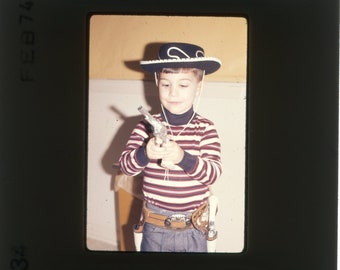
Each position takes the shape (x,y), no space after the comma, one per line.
(159,129)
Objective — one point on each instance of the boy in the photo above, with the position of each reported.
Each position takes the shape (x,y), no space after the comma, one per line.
(177,173)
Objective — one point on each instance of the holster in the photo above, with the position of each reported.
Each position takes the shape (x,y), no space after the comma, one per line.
(138,233)
(173,222)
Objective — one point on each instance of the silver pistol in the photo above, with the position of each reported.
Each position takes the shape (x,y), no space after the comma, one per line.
(159,130)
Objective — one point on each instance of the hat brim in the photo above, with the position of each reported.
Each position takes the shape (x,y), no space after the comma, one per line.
(208,64)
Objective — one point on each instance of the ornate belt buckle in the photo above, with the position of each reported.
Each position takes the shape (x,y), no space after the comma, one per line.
(177,217)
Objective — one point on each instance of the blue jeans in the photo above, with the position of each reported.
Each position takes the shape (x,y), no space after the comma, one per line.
(157,239)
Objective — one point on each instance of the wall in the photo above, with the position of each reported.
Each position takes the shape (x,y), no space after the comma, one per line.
(117,88)
(117,43)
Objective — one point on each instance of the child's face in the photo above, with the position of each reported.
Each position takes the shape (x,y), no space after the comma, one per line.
(177,91)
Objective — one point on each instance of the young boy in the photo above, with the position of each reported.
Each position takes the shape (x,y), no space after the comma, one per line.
(177,173)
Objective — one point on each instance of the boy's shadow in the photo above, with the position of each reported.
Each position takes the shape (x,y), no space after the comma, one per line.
(118,143)
(110,165)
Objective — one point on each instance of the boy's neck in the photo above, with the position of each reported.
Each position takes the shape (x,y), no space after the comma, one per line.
(178,119)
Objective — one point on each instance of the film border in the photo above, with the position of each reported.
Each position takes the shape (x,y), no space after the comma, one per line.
(292,134)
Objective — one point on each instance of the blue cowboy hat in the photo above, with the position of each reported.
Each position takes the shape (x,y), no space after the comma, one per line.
(181,55)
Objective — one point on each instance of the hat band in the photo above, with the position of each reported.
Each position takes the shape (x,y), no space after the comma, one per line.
(198,53)
(181,60)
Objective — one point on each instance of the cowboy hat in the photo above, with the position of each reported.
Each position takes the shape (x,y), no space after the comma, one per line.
(181,55)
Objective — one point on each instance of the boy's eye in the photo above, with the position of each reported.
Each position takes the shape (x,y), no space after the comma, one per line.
(184,83)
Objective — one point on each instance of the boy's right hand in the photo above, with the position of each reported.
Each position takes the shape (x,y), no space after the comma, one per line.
(154,150)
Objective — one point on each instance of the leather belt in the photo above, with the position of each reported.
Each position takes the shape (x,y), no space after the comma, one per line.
(175,221)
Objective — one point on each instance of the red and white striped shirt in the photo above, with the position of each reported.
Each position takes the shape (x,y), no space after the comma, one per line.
(185,187)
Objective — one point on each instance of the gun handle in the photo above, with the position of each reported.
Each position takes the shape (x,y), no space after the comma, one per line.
(212,207)
(212,232)
(168,165)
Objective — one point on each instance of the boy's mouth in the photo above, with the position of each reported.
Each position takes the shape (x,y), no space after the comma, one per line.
(174,102)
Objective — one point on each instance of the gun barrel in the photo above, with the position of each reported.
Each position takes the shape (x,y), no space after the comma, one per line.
(159,129)
(147,115)
(142,110)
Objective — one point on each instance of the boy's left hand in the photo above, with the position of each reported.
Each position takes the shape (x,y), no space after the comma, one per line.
(174,153)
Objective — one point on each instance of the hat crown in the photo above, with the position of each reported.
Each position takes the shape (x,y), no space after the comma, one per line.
(180,51)
(181,55)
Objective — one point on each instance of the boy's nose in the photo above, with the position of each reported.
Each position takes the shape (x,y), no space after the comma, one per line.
(173,91)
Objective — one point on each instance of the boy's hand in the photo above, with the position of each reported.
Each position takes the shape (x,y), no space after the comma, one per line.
(154,150)
(173,152)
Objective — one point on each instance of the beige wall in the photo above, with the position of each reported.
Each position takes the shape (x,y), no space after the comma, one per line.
(120,38)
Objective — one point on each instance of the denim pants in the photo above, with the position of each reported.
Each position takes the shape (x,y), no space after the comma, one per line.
(157,239)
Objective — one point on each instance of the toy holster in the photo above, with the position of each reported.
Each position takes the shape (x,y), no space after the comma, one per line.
(138,232)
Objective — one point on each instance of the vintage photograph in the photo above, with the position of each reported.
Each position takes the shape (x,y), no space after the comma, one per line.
(167,114)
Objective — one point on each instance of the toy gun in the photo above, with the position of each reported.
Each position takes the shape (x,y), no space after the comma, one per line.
(159,130)
(212,232)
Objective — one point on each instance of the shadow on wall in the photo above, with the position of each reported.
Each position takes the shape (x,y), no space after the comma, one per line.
(131,205)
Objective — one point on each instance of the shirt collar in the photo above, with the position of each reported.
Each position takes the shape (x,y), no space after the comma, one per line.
(178,119)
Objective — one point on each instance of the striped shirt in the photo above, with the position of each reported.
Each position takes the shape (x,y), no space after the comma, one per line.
(185,187)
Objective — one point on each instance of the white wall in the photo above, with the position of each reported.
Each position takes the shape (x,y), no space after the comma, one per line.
(112,115)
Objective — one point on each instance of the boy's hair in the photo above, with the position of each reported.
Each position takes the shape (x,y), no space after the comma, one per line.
(197,72)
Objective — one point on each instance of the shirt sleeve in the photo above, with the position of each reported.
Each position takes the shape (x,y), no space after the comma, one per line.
(133,159)
(207,166)
(188,162)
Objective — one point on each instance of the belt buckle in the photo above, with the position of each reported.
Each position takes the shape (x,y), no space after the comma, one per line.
(177,217)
